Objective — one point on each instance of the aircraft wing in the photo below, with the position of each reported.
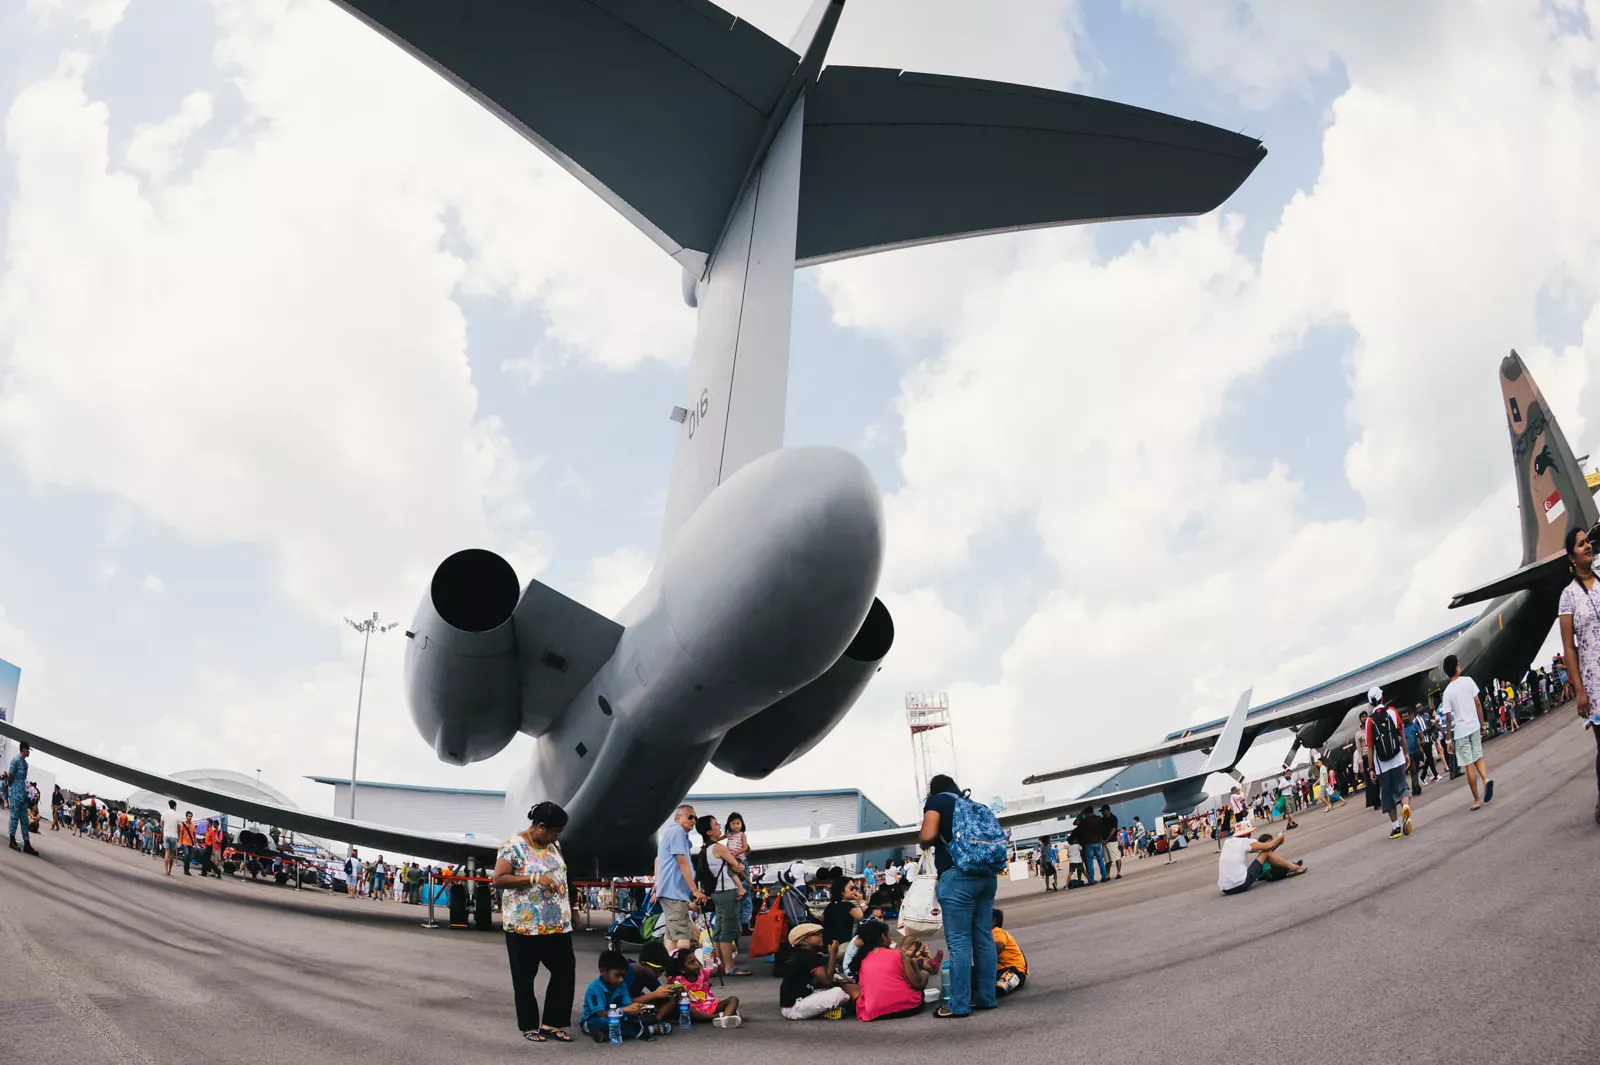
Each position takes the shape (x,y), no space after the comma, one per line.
(1319,702)
(1225,752)
(360,833)
(890,838)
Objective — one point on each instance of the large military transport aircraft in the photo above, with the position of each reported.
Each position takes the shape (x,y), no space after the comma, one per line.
(1552,497)
(759,626)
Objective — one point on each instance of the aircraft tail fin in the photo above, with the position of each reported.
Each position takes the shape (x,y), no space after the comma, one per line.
(1552,495)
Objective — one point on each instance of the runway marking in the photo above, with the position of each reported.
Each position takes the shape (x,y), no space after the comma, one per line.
(95,1022)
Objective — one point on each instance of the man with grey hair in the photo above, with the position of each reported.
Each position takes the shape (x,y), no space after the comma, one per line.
(675,886)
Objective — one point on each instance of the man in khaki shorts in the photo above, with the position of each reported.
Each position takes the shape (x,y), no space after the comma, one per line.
(674,886)
(1113,841)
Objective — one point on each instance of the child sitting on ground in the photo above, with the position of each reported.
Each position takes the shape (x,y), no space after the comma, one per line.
(644,981)
(810,989)
(686,969)
(609,989)
(1013,964)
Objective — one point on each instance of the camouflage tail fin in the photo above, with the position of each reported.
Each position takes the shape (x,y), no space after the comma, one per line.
(1551,493)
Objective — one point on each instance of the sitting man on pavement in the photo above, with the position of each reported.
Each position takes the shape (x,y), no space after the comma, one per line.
(809,988)
(1243,861)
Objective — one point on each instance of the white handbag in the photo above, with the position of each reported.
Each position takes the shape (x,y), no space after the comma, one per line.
(919,911)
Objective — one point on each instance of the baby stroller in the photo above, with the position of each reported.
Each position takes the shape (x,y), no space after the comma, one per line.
(636,928)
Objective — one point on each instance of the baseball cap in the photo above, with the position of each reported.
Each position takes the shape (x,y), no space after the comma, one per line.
(800,931)
(1243,828)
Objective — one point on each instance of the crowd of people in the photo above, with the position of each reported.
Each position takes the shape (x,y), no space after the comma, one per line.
(858,958)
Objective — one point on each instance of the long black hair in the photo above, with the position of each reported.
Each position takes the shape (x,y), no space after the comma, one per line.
(735,816)
(1571,542)
(942,783)
(702,825)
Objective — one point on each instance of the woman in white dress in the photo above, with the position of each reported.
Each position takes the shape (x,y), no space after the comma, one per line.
(1580,636)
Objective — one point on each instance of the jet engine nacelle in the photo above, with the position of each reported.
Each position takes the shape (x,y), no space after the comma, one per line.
(798,722)
(461,673)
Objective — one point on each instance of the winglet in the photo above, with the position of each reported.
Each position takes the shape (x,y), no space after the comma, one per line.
(1227,750)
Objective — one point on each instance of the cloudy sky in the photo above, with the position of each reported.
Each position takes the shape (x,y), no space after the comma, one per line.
(285,320)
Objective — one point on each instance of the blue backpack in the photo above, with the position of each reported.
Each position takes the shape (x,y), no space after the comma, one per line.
(977,842)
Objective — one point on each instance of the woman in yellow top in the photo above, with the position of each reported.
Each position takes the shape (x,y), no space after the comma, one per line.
(537,918)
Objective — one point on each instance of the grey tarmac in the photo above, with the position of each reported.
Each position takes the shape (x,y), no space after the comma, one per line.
(1472,940)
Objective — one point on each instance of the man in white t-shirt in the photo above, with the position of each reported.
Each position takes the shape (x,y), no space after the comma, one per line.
(1466,710)
(169,832)
(1386,739)
(1243,860)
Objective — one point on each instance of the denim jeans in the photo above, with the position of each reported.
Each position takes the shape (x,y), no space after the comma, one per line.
(968,903)
(1092,853)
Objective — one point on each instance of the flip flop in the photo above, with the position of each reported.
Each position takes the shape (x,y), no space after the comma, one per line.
(741,972)
(1488,791)
(560,1035)
(1474,809)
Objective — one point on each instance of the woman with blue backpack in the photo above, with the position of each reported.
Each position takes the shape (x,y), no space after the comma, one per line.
(969,853)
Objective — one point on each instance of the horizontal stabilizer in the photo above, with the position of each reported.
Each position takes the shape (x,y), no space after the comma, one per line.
(656,105)
(1546,573)
(343,830)
(891,838)
(895,158)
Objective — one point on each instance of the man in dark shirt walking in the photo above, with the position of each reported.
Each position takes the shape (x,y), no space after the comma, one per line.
(1091,836)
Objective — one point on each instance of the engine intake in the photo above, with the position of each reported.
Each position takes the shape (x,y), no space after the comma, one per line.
(461,675)
(795,724)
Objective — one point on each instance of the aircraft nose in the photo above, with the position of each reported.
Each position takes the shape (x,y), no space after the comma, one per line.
(770,579)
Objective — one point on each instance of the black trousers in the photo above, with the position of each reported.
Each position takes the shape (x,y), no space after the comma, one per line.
(554,952)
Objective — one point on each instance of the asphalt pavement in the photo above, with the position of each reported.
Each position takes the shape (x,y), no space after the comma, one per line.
(1470,941)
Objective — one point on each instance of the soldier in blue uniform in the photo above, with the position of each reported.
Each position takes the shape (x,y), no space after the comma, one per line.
(17,773)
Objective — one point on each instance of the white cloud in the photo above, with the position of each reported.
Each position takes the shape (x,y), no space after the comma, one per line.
(156,147)
(152,583)
(97,16)
(1084,395)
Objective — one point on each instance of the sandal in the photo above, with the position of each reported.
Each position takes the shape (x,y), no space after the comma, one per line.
(741,972)
(560,1035)
(534,1036)
(944,1014)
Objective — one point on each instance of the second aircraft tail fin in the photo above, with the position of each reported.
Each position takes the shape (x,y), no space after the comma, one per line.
(1551,493)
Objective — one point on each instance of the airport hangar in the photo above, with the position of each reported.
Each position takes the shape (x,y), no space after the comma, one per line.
(774,817)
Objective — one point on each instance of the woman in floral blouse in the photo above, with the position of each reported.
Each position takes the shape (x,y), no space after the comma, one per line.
(532,876)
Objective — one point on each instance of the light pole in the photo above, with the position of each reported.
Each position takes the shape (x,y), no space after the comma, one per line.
(366,627)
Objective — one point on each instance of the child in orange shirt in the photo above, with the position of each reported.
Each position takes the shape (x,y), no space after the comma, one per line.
(1013,965)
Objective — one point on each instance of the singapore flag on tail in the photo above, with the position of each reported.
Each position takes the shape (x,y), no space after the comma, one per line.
(1554,507)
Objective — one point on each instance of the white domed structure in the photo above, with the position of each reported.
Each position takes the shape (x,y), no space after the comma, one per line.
(226,780)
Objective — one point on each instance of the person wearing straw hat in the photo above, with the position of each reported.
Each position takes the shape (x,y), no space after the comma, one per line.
(1243,860)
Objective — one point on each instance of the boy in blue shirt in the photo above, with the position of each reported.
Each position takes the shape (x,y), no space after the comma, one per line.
(608,989)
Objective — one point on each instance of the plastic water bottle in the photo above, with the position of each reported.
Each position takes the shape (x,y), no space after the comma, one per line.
(944,982)
(614,1024)
(683,1011)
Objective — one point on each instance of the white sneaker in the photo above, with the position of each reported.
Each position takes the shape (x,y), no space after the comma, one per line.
(728,1021)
